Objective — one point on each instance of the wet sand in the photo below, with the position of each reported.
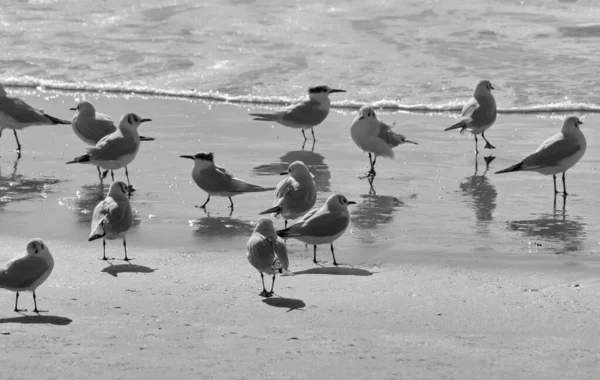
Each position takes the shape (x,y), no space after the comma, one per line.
(513,277)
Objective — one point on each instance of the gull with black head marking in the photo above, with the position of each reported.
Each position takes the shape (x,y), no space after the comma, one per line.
(116,150)
(296,194)
(479,113)
(26,272)
(267,253)
(112,217)
(15,114)
(305,114)
(217,181)
(557,154)
(91,126)
(322,225)
(374,136)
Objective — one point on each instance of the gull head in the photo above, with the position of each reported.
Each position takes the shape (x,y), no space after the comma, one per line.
(84,108)
(338,202)
(118,189)
(366,112)
(322,92)
(297,170)
(484,87)
(36,247)
(265,227)
(131,121)
(202,160)
(571,125)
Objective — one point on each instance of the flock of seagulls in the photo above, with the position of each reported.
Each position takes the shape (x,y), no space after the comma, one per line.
(113,147)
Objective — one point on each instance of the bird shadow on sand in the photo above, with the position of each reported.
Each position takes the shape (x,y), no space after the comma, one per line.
(38,319)
(115,269)
(288,303)
(221,226)
(336,271)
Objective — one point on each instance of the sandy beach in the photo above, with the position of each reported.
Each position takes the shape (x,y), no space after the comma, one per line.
(449,272)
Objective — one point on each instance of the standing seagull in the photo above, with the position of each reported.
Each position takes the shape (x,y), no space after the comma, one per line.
(267,253)
(479,113)
(112,217)
(322,226)
(557,154)
(27,272)
(374,136)
(305,114)
(295,195)
(16,114)
(91,126)
(116,150)
(217,181)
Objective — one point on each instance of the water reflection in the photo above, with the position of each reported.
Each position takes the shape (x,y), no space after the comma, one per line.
(16,187)
(220,226)
(315,162)
(482,194)
(371,213)
(553,228)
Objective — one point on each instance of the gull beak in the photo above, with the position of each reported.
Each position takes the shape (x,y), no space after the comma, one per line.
(411,142)
(284,173)
(190,157)
(492,88)
(351,203)
(335,90)
(580,122)
(145,120)
(73,108)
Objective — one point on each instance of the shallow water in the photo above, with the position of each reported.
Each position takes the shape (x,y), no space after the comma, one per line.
(429,204)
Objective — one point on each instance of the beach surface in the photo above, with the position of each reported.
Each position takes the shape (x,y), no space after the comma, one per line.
(448,271)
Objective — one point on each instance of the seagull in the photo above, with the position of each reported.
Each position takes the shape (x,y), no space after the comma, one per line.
(295,195)
(374,136)
(304,114)
(479,113)
(557,154)
(91,126)
(16,114)
(217,181)
(267,253)
(25,273)
(322,225)
(112,217)
(116,150)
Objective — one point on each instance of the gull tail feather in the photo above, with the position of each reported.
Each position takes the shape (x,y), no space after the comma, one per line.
(286,233)
(145,138)
(263,117)
(55,120)
(80,159)
(276,210)
(249,188)
(98,232)
(461,124)
(513,168)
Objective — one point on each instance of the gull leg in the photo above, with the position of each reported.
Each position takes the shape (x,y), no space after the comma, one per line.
(112,175)
(315,254)
(99,174)
(231,201)
(371,173)
(205,203)
(304,135)
(35,309)
(270,294)
(333,254)
(104,250)
(125,249)
(285,224)
(17,138)
(16,303)
(131,189)
(487,143)
(264,293)
(564,184)
(554,178)
(476,151)
(313,134)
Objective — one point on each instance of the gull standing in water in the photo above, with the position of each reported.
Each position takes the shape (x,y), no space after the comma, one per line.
(374,136)
(267,253)
(25,273)
(116,150)
(322,226)
(295,195)
(16,114)
(91,126)
(557,154)
(305,114)
(479,113)
(112,217)
(217,181)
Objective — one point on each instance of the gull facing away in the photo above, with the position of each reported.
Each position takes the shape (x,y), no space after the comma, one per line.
(16,114)
(116,150)
(322,225)
(305,114)
(112,217)
(479,113)
(374,136)
(295,195)
(217,181)
(91,126)
(25,273)
(557,154)
(267,253)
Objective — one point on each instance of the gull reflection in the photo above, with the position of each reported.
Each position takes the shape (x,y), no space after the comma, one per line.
(16,187)
(371,213)
(482,194)
(209,228)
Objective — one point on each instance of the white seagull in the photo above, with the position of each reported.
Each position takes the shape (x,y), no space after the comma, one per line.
(267,253)
(557,154)
(25,273)
(16,114)
(217,181)
(322,225)
(112,217)
(374,136)
(479,113)
(304,114)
